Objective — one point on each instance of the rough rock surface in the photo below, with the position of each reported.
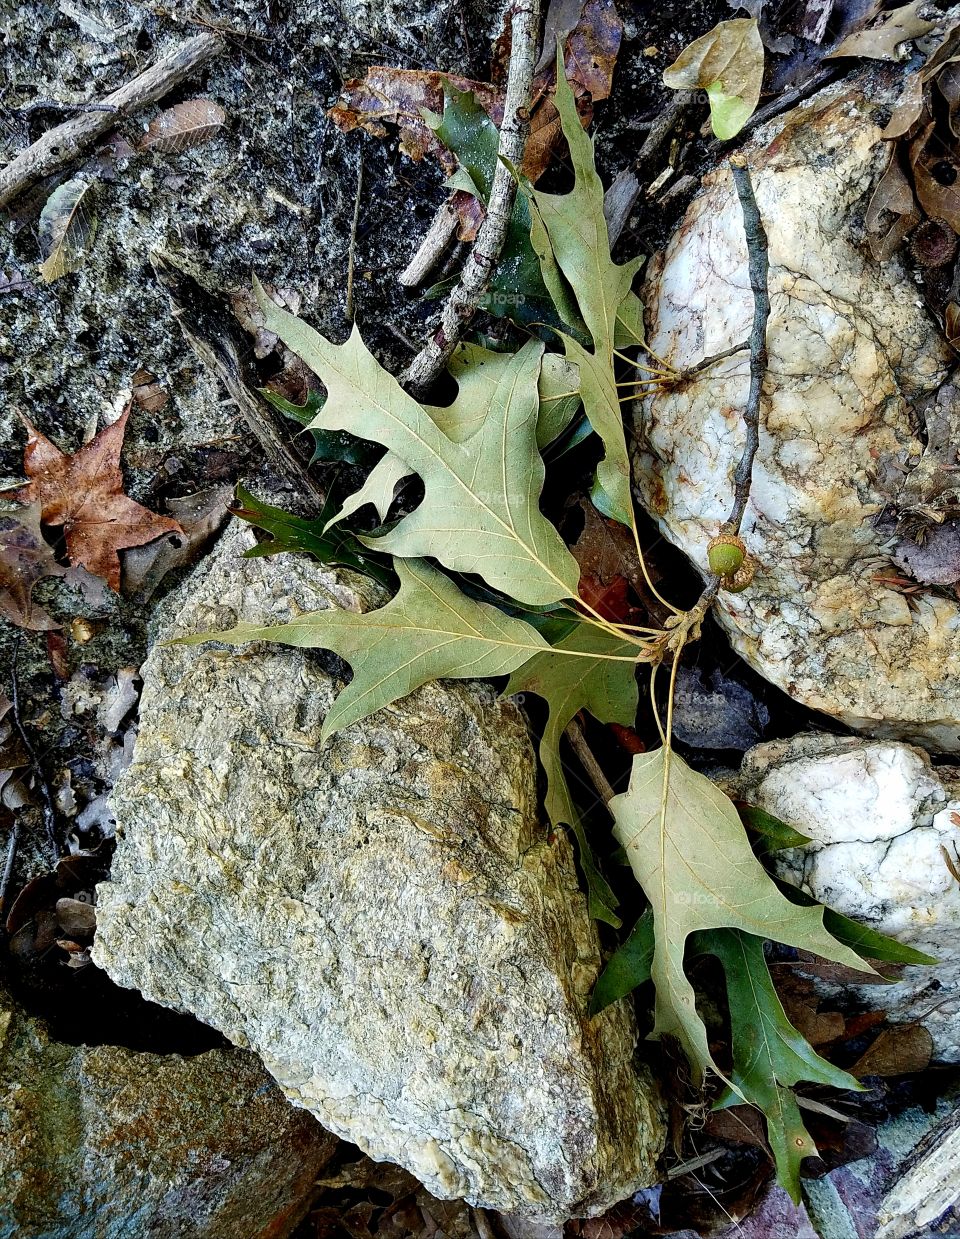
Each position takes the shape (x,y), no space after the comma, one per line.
(384,921)
(104,1143)
(851,351)
(882,821)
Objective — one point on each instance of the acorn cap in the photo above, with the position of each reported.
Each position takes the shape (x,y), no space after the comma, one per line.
(742,578)
(725,554)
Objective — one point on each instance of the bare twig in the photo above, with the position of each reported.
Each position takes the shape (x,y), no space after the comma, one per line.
(432,247)
(711,361)
(352,255)
(618,202)
(11,856)
(758,266)
(462,302)
(49,816)
(213,335)
(578,742)
(61,145)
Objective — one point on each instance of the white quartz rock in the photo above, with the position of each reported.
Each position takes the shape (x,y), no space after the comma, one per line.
(880,818)
(851,355)
(383,919)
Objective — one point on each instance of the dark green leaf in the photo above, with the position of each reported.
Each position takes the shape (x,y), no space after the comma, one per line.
(627,967)
(773,833)
(868,943)
(769,1055)
(327,444)
(337,547)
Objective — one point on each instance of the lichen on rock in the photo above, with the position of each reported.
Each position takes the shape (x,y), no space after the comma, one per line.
(384,920)
(852,352)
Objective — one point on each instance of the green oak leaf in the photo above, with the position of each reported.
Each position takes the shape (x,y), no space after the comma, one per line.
(480,511)
(334,547)
(689,852)
(604,683)
(769,1055)
(336,445)
(628,967)
(429,631)
(517,290)
(578,240)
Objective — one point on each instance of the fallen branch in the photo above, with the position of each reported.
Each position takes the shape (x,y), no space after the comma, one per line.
(7,876)
(758,265)
(432,247)
(462,302)
(578,742)
(49,816)
(61,145)
(212,334)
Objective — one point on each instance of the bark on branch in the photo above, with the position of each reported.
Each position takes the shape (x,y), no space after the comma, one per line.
(462,302)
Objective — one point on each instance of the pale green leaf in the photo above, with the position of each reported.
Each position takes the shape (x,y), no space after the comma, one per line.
(605,684)
(67,227)
(689,852)
(378,489)
(769,1055)
(726,62)
(577,232)
(480,512)
(429,631)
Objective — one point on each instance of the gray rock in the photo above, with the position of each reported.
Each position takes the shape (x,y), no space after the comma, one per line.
(718,713)
(384,921)
(884,830)
(105,1143)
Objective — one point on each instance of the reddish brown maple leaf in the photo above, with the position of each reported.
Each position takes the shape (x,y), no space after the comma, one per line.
(84,494)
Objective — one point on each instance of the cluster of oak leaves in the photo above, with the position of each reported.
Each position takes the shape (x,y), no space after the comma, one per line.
(480,463)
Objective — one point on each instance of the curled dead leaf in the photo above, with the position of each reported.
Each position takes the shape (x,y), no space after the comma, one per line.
(881,42)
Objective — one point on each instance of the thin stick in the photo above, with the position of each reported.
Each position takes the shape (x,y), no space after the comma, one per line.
(216,339)
(715,357)
(8,864)
(351,256)
(758,266)
(462,302)
(61,145)
(49,817)
(432,247)
(578,742)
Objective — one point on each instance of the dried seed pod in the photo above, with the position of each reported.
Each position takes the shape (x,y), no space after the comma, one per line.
(933,243)
(725,554)
(742,578)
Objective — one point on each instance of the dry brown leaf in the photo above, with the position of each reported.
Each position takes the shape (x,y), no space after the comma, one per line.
(892,196)
(936,176)
(200,517)
(396,96)
(899,1050)
(881,42)
(84,494)
(147,392)
(184,125)
(25,558)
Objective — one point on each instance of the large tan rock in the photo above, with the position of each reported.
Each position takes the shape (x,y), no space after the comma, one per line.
(384,920)
(852,353)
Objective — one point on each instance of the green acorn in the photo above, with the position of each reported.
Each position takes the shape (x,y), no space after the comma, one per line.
(725,554)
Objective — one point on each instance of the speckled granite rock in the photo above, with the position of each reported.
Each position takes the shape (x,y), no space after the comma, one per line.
(851,350)
(878,815)
(384,920)
(105,1143)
